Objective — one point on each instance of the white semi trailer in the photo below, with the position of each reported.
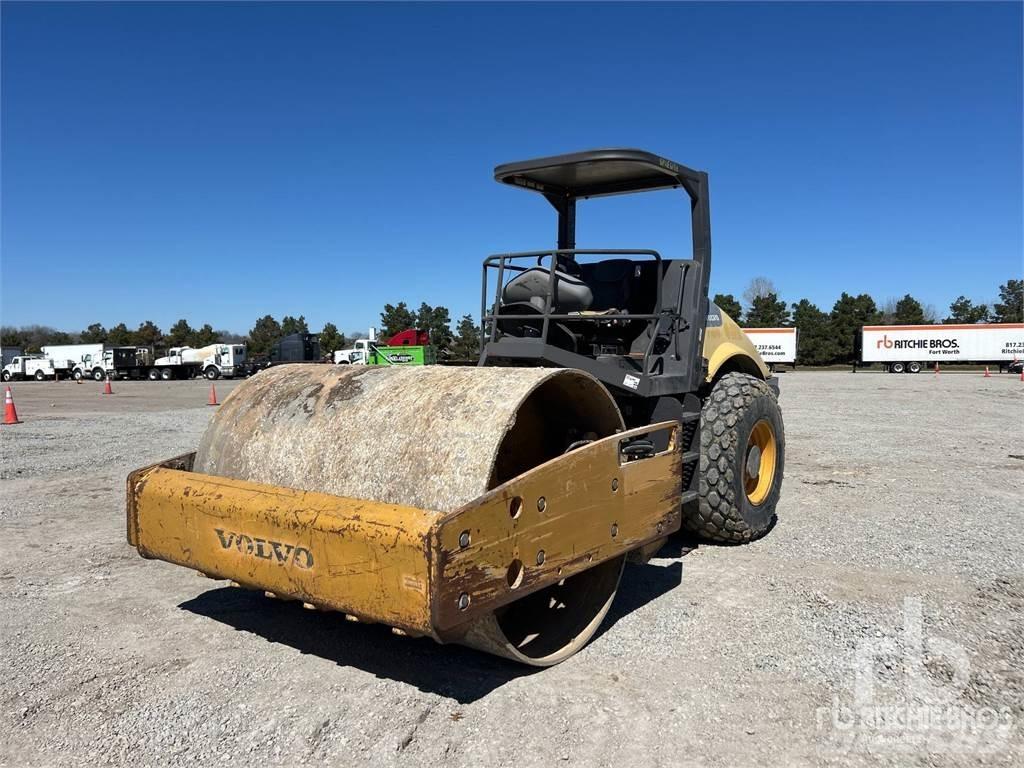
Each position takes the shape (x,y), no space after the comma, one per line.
(912,348)
(775,345)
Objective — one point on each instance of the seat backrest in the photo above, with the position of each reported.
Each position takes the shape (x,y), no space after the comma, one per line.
(611,282)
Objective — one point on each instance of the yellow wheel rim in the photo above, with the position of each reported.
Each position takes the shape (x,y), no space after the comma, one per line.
(759,461)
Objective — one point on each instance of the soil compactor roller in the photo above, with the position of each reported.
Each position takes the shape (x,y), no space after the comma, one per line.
(494,506)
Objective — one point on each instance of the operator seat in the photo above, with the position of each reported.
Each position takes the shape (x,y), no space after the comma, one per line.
(531,286)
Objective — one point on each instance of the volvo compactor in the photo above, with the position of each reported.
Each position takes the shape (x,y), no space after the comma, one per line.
(495,506)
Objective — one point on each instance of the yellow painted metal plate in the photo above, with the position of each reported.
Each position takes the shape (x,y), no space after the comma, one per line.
(553,522)
(361,557)
(415,569)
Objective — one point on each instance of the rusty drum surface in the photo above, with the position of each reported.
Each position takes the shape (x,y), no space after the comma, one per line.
(432,437)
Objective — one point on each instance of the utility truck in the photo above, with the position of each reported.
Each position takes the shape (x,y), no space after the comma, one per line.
(911,348)
(29,367)
(86,360)
(211,361)
(775,345)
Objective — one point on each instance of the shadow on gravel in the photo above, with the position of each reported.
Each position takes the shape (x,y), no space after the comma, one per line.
(642,583)
(446,670)
(450,670)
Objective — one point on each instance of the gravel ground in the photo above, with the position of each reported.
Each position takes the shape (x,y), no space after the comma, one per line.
(881,621)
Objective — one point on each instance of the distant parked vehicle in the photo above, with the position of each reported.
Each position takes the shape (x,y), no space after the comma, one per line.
(296,348)
(211,362)
(912,348)
(100,361)
(775,345)
(81,361)
(409,347)
(29,367)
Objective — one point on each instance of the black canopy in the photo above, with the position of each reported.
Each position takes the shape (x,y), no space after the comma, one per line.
(598,172)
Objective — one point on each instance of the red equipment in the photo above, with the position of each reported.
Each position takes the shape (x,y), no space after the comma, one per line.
(410,338)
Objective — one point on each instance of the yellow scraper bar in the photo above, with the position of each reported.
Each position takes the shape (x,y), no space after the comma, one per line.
(419,570)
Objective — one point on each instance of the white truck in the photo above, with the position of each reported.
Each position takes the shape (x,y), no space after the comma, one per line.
(80,360)
(358,353)
(775,345)
(29,367)
(911,348)
(211,361)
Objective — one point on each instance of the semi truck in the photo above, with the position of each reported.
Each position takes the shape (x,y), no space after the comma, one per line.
(296,348)
(912,348)
(24,367)
(775,345)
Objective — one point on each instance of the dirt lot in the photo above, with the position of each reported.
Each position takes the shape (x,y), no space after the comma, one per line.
(881,622)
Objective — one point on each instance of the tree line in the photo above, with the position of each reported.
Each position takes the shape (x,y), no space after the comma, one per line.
(825,337)
(828,337)
(462,344)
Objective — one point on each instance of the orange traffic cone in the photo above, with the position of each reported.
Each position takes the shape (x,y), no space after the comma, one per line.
(213,396)
(987,374)
(1022,374)
(10,414)
(106,388)
(936,369)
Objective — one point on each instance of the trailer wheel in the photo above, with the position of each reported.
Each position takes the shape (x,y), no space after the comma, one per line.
(98,374)
(913,367)
(897,368)
(211,373)
(742,454)
(166,374)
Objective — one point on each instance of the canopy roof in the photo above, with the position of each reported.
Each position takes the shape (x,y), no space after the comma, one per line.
(598,172)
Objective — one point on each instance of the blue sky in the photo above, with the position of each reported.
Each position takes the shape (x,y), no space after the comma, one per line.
(221,162)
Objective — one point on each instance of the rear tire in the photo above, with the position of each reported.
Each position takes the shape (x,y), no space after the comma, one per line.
(40,375)
(742,456)
(897,368)
(913,367)
(153,375)
(166,374)
(7,376)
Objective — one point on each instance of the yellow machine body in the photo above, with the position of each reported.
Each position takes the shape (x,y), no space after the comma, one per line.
(726,347)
